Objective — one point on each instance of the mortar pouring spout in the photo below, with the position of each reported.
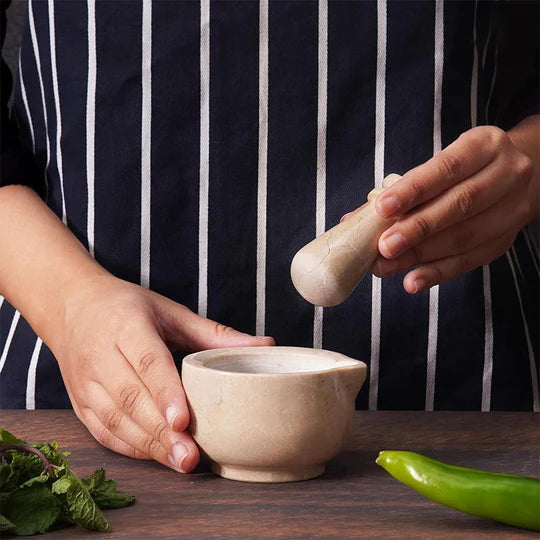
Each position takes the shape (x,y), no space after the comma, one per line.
(352,374)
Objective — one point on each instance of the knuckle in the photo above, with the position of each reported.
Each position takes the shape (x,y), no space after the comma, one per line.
(463,239)
(160,395)
(438,276)
(160,431)
(149,445)
(103,436)
(524,167)
(422,228)
(465,199)
(147,361)
(496,136)
(418,190)
(129,396)
(133,452)
(111,418)
(450,167)
(222,330)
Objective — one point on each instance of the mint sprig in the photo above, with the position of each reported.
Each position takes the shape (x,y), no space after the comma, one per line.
(38,490)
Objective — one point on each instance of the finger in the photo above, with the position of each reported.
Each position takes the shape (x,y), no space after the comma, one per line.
(153,363)
(189,331)
(497,221)
(457,204)
(123,427)
(437,272)
(345,217)
(107,439)
(470,153)
(130,393)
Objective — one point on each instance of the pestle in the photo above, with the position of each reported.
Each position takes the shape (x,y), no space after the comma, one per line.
(327,270)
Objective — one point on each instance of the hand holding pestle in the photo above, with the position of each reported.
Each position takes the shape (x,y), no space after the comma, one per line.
(327,270)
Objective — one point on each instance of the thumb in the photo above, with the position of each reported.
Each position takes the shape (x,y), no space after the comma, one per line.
(191,332)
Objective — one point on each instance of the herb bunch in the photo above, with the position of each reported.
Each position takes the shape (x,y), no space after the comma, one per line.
(38,490)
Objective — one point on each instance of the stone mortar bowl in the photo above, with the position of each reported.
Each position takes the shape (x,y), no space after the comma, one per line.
(271,414)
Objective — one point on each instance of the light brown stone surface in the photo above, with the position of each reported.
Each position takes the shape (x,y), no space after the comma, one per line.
(327,270)
(271,414)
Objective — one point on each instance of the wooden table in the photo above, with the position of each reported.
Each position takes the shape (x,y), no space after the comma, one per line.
(354,499)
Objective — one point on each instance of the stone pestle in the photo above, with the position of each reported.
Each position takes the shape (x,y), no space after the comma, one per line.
(327,270)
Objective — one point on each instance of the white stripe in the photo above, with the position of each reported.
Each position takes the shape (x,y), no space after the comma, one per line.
(486,271)
(322,101)
(532,364)
(14,321)
(488,340)
(204,166)
(486,46)
(26,107)
(380,97)
(41,88)
(474,76)
(31,380)
(262,171)
(52,41)
(534,239)
(434,291)
(91,123)
(1,301)
(514,253)
(531,248)
(492,84)
(146,140)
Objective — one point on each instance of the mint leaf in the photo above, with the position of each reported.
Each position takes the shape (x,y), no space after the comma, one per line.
(94,480)
(7,480)
(105,493)
(41,479)
(82,507)
(113,499)
(32,510)
(61,485)
(5,524)
(7,438)
(39,491)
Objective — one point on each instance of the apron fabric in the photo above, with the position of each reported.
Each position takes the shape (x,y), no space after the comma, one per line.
(194,147)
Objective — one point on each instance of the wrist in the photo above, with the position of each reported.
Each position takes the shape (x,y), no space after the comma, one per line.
(67,301)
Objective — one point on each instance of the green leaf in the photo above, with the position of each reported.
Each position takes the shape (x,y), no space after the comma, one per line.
(105,493)
(94,480)
(5,524)
(7,438)
(32,509)
(62,485)
(82,507)
(7,477)
(41,479)
(113,499)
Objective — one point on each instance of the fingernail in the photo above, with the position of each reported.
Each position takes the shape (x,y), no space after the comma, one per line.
(418,285)
(180,453)
(262,337)
(394,244)
(170,414)
(387,206)
(344,217)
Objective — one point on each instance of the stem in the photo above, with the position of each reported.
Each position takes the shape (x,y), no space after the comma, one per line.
(49,467)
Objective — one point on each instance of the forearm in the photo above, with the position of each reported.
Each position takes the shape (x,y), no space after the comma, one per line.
(41,261)
(526,137)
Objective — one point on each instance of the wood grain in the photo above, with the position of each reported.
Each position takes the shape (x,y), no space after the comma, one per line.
(354,499)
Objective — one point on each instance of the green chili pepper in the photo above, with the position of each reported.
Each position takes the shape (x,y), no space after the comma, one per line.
(510,499)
